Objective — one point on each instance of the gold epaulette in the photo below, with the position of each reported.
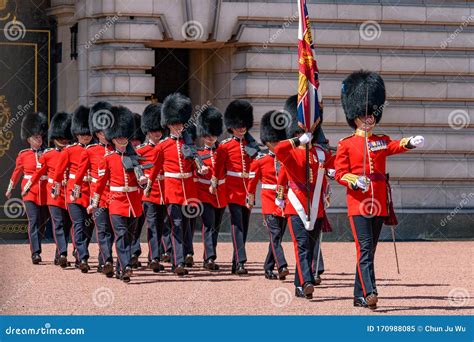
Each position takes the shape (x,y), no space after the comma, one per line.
(26,149)
(91,145)
(225,141)
(347,137)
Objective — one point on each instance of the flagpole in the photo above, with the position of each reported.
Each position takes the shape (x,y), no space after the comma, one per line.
(308,190)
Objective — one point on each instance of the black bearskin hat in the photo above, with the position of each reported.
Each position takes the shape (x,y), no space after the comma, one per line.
(151,118)
(210,123)
(176,109)
(272,126)
(34,124)
(60,127)
(100,117)
(290,106)
(239,113)
(363,91)
(138,134)
(80,121)
(123,125)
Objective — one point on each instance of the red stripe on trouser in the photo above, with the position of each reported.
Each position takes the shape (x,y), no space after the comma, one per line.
(72,236)
(204,242)
(354,232)
(115,242)
(172,237)
(235,245)
(271,243)
(29,228)
(297,256)
(54,230)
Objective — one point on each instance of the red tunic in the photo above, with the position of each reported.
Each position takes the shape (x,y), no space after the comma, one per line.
(178,172)
(90,160)
(148,151)
(349,165)
(27,163)
(124,197)
(212,157)
(68,161)
(266,168)
(237,164)
(294,159)
(48,161)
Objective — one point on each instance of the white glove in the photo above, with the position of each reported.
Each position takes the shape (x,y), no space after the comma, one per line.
(305,138)
(363,183)
(418,141)
(280,202)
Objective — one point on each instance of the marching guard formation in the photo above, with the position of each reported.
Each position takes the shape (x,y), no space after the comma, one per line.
(115,171)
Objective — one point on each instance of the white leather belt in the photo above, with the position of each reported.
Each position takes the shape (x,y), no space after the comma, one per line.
(269,186)
(123,188)
(27,177)
(50,180)
(241,174)
(94,180)
(73,176)
(208,181)
(42,178)
(160,177)
(178,175)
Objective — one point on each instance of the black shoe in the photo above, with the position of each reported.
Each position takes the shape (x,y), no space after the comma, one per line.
(108,269)
(35,258)
(283,272)
(360,302)
(100,268)
(127,273)
(118,275)
(270,275)
(300,293)
(211,265)
(56,261)
(308,290)
(372,300)
(241,270)
(189,261)
(180,270)
(62,261)
(84,266)
(375,291)
(165,258)
(154,265)
(317,280)
(134,262)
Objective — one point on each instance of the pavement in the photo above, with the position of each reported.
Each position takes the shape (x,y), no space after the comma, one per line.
(436,279)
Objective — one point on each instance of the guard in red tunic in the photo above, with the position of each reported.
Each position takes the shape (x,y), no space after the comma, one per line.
(60,135)
(34,127)
(153,205)
(266,168)
(118,169)
(361,167)
(238,154)
(180,195)
(100,118)
(211,187)
(65,173)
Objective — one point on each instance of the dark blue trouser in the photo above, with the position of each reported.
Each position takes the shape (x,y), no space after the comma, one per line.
(239,220)
(83,226)
(366,232)
(154,216)
(276,228)
(105,234)
(188,247)
(303,242)
(61,228)
(136,247)
(166,245)
(211,218)
(179,225)
(33,212)
(315,258)
(123,227)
